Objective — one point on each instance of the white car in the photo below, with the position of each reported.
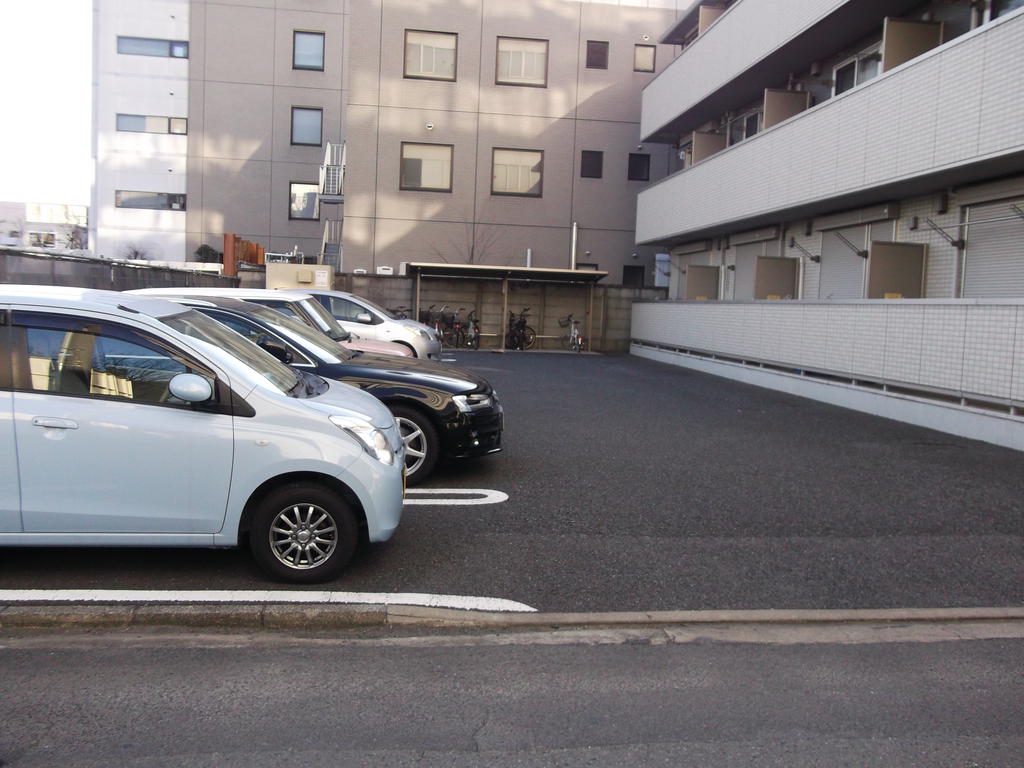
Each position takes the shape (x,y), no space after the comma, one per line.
(298,304)
(371,321)
(132,421)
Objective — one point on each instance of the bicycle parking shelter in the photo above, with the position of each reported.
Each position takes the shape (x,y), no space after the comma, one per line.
(584,278)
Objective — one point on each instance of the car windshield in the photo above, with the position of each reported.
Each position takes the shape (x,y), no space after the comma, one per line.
(300,334)
(199,326)
(327,322)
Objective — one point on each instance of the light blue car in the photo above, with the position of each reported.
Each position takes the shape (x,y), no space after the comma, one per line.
(132,421)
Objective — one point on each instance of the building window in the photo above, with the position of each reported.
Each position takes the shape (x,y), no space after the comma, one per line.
(308,50)
(306,126)
(151,201)
(42,239)
(643,58)
(426,167)
(591,164)
(303,201)
(743,127)
(1002,7)
(522,61)
(149,46)
(639,167)
(151,124)
(857,69)
(430,55)
(517,172)
(597,54)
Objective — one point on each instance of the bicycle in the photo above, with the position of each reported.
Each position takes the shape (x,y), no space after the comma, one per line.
(454,334)
(473,331)
(573,339)
(520,335)
(399,313)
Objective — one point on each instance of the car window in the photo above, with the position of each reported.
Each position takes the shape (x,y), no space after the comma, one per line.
(343,309)
(254,333)
(71,357)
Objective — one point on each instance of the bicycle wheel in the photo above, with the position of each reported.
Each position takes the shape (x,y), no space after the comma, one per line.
(458,338)
(473,339)
(529,337)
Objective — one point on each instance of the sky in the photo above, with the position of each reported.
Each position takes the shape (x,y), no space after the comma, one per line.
(46,88)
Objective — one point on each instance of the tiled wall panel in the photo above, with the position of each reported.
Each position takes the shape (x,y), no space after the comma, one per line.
(970,349)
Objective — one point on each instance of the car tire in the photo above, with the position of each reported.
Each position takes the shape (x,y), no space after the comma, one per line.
(303,533)
(410,347)
(422,445)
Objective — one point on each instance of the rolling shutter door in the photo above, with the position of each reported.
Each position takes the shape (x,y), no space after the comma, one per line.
(842,270)
(746,269)
(994,252)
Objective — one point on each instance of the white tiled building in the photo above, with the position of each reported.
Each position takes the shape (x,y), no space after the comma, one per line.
(847,199)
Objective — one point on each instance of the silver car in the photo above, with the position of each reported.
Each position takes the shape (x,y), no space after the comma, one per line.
(371,321)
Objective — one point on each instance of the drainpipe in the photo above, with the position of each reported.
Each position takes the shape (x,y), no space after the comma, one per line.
(529,257)
(572,248)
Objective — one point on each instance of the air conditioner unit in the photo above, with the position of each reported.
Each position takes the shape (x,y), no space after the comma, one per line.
(385,270)
(359,271)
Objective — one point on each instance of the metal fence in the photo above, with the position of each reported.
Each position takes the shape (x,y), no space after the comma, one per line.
(75,271)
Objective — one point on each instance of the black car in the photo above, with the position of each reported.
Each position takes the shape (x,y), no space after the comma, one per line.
(441,410)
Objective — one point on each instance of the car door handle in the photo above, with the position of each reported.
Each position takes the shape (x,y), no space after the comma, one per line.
(54,423)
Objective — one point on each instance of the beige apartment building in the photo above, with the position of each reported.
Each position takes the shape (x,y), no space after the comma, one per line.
(371,133)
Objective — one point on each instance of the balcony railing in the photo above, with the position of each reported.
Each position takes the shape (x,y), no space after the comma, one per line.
(332,175)
(944,111)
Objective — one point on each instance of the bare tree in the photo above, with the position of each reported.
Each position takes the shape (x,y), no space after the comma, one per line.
(134,252)
(475,246)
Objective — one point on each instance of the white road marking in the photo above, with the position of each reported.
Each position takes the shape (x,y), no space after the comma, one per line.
(462,602)
(461,496)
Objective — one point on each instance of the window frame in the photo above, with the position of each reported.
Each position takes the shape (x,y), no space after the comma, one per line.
(603,49)
(497,61)
(316,204)
(167,196)
(291,136)
(323,50)
(744,120)
(439,78)
(451,166)
(873,51)
(167,127)
(629,167)
(540,185)
(172,45)
(654,57)
(600,163)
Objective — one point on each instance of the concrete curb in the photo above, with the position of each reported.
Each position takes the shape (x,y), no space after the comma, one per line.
(285,617)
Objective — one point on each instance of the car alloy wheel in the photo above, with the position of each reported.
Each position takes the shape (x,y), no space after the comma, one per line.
(303,536)
(421,442)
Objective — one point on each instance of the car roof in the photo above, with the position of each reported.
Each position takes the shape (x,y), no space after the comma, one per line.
(233,293)
(88,298)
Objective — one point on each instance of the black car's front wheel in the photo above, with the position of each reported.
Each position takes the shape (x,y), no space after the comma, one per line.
(422,445)
(303,533)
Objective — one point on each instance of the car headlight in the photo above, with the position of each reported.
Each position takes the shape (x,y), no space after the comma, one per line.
(471,403)
(372,439)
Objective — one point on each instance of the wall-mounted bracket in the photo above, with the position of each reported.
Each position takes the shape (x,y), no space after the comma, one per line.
(810,256)
(859,251)
(955,242)
(1017,210)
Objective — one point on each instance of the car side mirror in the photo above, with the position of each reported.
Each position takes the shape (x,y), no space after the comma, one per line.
(276,350)
(364,317)
(190,387)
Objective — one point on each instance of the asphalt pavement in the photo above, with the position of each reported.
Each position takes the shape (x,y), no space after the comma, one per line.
(637,486)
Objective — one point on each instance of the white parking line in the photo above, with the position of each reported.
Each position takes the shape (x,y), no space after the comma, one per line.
(462,602)
(459,496)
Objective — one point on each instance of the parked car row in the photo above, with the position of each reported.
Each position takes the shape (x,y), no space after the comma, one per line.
(197,418)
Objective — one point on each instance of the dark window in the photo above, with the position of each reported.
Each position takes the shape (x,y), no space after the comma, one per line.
(148,46)
(308,50)
(1000,7)
(597,54)
(633,276)
(639,167)
(591,164)
(153,201)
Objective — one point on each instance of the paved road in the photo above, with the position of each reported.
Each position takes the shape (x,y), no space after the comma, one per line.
(565,699)
(634,485)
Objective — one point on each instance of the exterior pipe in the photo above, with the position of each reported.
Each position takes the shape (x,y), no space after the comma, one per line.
(572,248)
